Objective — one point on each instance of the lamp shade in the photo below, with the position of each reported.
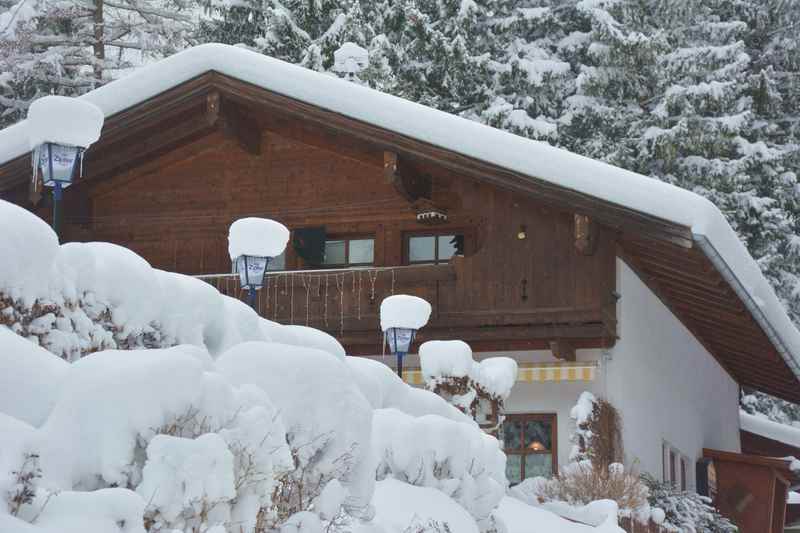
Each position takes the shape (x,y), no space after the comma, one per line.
(251,270)
(400,340)
(57,163)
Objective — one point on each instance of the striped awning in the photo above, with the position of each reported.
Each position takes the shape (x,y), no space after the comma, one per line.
(533,373)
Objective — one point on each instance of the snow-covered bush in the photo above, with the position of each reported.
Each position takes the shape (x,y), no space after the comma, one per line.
(327,419)
(454,457)
(582,483)
(598,432)
(478,389)
(685,511)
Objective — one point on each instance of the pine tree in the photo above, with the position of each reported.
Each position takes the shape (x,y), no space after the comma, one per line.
(70,46)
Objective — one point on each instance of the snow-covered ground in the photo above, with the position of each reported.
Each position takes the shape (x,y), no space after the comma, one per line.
(137,400)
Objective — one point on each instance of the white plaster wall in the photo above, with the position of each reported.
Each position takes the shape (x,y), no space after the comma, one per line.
(666,386)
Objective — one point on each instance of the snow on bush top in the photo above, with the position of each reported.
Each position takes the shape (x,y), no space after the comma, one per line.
(421,505)
(497,375)
(30,378)
(383,388)
(63,120)
(453,359)
(404,311)
(445,358)
(257,236)
(28,248)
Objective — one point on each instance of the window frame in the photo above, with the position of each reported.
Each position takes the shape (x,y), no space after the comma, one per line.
(431,233)
(553,451)
(347,239)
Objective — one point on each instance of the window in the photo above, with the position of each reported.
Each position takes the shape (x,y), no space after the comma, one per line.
(433,248)
(530,445)
(672,477)
(344,252)
(683,474)
(675,470)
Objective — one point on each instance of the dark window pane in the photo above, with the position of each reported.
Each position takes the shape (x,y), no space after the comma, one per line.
(421,249)
(362,251)
(335,252)
(514,469)
(538,465)
(447,247)
(512,434)
(539,435)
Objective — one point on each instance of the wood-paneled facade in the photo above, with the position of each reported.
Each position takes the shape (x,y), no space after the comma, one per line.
(170,174)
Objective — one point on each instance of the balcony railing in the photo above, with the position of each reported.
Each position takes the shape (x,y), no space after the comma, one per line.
(341,300)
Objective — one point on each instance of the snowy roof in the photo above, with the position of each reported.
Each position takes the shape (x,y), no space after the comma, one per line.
(763,426)
(709,228)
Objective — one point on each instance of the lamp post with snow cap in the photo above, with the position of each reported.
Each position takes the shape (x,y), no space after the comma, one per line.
(401,317)
(60,129)
(252,244)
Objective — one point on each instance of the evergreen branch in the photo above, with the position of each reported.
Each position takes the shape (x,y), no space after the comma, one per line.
(148,10)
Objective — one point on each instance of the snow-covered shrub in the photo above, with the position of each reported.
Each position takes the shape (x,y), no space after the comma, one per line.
(454,457)
(478,389)
(598,432)
(328,421)
(685,511)
(582,483)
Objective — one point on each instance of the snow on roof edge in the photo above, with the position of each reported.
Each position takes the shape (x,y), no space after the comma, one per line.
(763,426)
(456,134)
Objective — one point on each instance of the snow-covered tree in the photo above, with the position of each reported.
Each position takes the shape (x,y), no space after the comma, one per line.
(72,46)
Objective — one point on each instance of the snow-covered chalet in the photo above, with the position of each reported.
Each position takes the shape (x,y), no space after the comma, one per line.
(591,277)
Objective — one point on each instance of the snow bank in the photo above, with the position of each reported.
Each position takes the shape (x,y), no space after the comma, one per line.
(63,120)
(399,505)
(761,425)
(30,378)
(404,311)
(430,451)
(445,358)
(520,517)
(257,236)
(325,414)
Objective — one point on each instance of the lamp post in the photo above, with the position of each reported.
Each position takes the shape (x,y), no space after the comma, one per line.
(251,270)
(57,164)
(400,340)
(252,244)
(59,130)
(402,316)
